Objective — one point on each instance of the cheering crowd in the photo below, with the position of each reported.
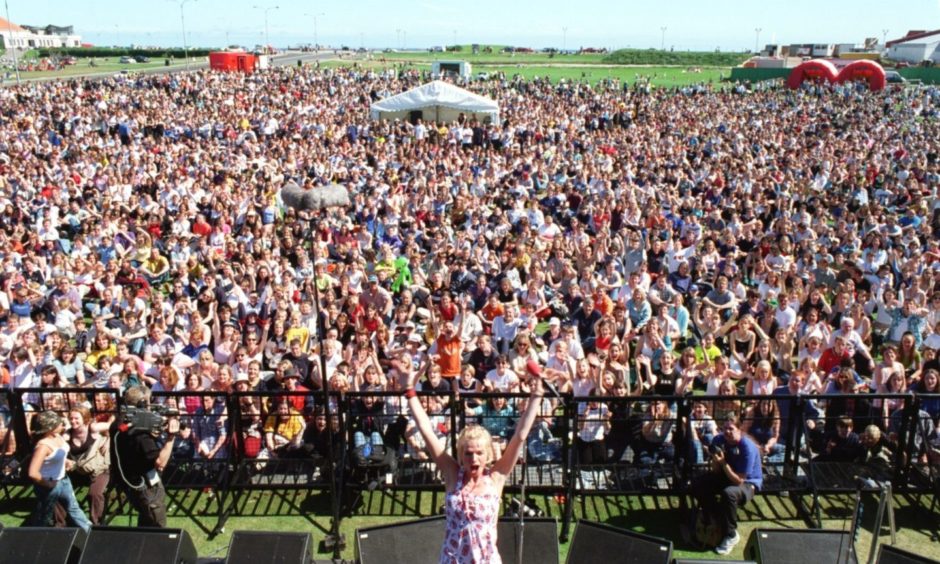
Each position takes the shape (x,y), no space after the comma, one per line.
(614,240)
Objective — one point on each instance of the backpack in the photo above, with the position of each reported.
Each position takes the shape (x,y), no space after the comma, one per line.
(375,456)
(702,530)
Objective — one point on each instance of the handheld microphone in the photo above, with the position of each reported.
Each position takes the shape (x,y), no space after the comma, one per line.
(534,369)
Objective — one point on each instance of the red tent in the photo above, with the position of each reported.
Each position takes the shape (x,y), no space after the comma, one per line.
(815,69)
(869,71)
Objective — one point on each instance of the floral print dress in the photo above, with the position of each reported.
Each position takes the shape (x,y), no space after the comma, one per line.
(470,537)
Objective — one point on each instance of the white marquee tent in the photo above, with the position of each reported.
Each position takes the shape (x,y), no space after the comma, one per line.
(437,101)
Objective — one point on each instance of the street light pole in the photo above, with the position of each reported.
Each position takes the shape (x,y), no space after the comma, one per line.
(564,40)
(757,31)
(316,39)
(16,64)
(267,38)
(884,38)
(662,46)
(183,29)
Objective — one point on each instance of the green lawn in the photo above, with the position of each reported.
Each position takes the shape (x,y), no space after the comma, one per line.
(659,516)
(104,65)
(496,57)
(659,76)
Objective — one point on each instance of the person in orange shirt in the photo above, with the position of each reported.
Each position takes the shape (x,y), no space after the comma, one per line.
(603,303)
(448,344)
(491,311)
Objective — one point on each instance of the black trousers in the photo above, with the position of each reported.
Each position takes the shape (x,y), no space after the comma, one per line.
(718,496)
(150,504)
(591,452)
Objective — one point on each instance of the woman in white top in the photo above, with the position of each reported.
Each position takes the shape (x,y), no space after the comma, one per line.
(47,470)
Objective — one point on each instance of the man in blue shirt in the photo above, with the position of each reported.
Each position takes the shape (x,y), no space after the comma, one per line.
(735,477)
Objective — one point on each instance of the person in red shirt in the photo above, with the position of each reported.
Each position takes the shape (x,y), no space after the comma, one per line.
(291,383)
(201,227)
(833,356)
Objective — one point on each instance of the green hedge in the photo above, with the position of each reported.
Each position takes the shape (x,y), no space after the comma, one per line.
(122,51)
(687,58)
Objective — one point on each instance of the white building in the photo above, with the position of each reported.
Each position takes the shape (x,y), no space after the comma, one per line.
(34,37)
(915,47)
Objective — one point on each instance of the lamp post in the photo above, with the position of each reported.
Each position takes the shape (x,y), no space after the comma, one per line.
(884,38)
(267,38)
(757,31)
(182,3)
(564,38)
(662,45)
(398,38)
(16,64)
(316,39)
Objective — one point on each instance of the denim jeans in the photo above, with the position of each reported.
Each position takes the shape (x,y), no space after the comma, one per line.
(62,494)
(359,439)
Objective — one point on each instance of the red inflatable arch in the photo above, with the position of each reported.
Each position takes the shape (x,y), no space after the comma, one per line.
(869,71)
(811,70)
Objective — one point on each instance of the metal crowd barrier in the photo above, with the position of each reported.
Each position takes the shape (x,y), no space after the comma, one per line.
(579,446)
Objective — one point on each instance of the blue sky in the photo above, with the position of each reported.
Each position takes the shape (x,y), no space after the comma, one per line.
(690,24)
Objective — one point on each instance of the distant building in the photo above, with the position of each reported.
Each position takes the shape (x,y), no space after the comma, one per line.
(915,47)
(34,37)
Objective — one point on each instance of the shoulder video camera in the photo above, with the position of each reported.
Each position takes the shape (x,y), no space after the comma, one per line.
(152,419)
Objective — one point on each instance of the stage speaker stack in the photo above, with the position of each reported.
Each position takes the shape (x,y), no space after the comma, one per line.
(259,547)
(596,542)
(420,541)
(799,546)
(891,555)
(710,561)
(141,545)
(40,545)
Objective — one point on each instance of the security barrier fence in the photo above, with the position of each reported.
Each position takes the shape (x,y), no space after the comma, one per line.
(229,444)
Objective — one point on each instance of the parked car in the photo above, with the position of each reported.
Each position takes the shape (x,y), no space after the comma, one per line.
(142,59)
(894,77)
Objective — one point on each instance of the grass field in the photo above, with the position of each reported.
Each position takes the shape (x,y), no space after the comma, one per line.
(659,76)
(651,57)
(660,516)
(496,57)
(104,66)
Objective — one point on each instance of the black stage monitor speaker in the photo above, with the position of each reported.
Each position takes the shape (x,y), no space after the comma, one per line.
(892,555)
(799,546)
(28,545)
(596,542)
(420,541)
(539,541)
(141,545)
(708,561)
(412,541)
(260,547)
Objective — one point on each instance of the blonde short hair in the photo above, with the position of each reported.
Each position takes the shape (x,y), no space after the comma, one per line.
(476,433)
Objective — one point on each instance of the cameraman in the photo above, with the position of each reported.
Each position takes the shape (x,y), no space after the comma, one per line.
(736,475)
(137,457)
